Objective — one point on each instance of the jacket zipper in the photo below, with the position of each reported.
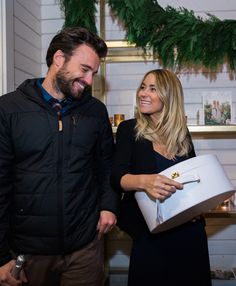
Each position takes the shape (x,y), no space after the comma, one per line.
(59,180)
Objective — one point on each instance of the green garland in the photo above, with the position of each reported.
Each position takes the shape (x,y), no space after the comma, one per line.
(177,36)
(79,13)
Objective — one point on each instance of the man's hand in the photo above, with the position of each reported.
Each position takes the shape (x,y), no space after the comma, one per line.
(106,222)
(6,278)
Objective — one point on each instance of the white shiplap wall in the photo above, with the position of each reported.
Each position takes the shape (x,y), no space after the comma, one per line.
(51,22)
(37,21)
(27,34)
(6,47)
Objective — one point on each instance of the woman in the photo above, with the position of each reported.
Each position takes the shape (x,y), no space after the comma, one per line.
(156,139)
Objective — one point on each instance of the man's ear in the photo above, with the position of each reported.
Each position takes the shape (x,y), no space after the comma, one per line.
(59,58)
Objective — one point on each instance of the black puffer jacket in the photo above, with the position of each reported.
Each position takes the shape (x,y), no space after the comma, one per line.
(52,183)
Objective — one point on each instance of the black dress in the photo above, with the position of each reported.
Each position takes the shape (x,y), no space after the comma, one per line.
(175,257)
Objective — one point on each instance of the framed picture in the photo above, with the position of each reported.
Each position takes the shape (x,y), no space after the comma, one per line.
(217,108)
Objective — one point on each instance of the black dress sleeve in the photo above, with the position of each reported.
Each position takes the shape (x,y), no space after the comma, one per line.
(123,152)
(130,218)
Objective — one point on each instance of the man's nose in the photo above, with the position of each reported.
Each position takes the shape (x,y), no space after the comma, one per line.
(89,79)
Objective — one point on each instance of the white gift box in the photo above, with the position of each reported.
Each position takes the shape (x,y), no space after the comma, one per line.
(206,185)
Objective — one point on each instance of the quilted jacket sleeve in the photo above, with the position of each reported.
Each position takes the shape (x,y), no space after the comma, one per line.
(6,186)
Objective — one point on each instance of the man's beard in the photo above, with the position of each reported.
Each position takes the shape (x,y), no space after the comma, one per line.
(64,83)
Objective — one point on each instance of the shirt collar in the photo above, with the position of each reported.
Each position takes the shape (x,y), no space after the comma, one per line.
(46,95)
(50,99)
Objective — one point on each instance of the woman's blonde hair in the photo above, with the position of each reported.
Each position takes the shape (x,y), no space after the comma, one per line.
(171,127)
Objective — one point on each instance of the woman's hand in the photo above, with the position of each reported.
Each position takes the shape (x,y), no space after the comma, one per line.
(159,186)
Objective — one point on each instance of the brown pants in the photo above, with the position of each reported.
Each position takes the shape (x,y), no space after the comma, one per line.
(81,268)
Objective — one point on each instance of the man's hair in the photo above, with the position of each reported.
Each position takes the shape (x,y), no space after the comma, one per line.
(68,39)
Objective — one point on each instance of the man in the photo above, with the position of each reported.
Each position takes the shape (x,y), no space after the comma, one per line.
(55,154)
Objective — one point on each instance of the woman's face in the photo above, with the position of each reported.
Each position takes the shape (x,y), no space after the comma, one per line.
(148,98)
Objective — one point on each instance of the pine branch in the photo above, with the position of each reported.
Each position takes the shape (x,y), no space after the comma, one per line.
(79,13)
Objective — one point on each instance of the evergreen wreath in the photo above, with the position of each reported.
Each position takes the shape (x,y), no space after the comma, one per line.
(178,37)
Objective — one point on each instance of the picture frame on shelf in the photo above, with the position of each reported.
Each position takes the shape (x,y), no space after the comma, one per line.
(217,108)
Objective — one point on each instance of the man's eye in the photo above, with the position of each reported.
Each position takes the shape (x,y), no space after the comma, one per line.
(85,70)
